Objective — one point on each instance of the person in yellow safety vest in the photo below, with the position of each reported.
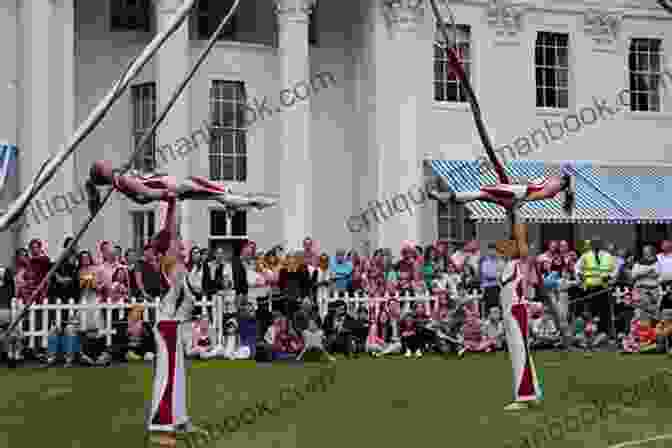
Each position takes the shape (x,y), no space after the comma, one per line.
(597,269)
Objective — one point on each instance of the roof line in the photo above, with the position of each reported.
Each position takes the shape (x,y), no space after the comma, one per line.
(624,163)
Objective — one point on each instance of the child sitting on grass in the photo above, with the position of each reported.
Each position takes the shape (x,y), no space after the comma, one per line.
(313,341)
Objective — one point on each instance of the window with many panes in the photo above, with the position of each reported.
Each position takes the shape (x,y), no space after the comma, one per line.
(130,15)
(143,228)
(144,113)
(228,145)
(551,61)
(447,86)
(454,221)
(645,70)
(209,14)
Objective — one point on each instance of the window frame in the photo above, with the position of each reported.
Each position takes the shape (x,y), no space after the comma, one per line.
(661,73)
(218,134)
(146,8)
(457,217)
(230,32)
(555,68)
(140,162)
(468,63)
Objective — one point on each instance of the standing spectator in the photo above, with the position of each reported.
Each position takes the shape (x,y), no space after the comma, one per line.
(65,284)
(410,277)
(132,265)
(428,267)
(311,252)
(107,265)
(487,272)
(38,266)
(596,268)
(341,271)
(646,278)
(569,257)
(21,265)
(295,281)
(240,265)
(359,268)
(8,343)
(7,287)
(217,274)
(665,261)
(665,269)
(322,279)
(148,275)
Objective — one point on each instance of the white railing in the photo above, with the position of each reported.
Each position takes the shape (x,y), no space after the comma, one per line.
(63,311)
(405,300)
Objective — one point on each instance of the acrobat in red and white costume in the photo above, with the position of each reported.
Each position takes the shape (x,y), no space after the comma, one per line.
(169,405)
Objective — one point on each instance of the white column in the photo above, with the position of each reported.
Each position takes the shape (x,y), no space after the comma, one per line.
(172,64)
(9,48)
(403,73)
(64,105)
(296,183)
(35,144)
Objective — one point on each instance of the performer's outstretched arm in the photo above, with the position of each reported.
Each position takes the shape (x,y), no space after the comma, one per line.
(166,241)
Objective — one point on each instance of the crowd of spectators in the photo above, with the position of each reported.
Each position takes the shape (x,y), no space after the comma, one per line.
(443,297)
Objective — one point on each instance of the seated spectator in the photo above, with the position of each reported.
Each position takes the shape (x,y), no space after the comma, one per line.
(265,332)
(389,320)
(375,341)
(409,339)
(12,344)
(313,338)
(544,333)
(493,328)
(642,336)
(306,313)
(283,340)
(447,323)
(360,330)
(63,341)
(247,326)
(230,346)
(338,327)
(664,332)
(473,337)
(203,337)
(138,341)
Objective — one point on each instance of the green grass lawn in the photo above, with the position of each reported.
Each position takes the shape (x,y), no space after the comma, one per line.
(376,402)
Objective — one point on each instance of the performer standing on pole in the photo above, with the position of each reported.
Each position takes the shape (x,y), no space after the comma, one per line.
(513,280)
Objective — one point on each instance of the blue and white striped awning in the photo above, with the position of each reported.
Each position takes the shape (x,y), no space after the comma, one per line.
(604,194)
(8,155)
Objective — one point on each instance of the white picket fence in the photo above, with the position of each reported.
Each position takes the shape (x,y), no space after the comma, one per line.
(405,300)
(36,324)
(63,311)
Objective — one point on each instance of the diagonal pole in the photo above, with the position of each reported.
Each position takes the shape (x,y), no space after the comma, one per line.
(125,168)
(51,165)
(456,65)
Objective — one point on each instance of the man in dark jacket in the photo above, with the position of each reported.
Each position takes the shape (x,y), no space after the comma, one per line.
(217,274)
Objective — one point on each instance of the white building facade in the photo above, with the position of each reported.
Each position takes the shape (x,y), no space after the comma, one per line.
(356,97)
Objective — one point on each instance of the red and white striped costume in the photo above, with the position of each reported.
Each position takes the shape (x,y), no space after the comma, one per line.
(169,404)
